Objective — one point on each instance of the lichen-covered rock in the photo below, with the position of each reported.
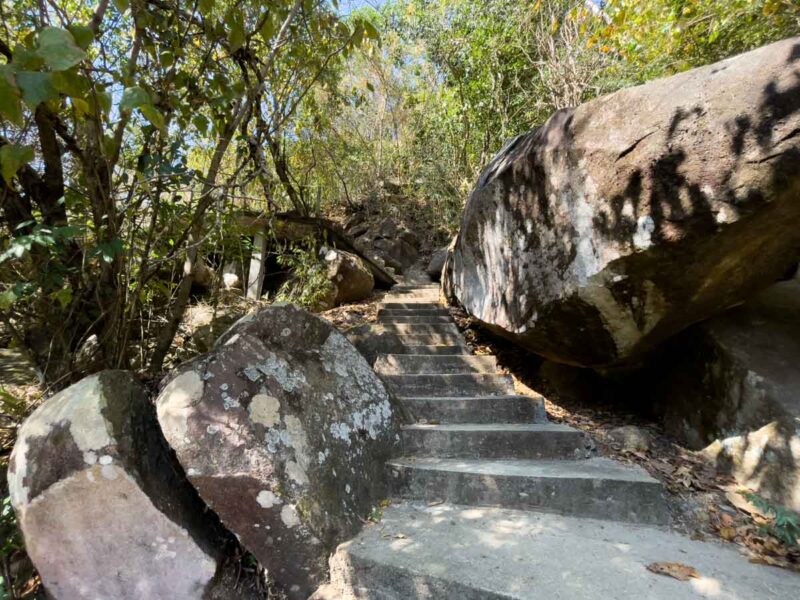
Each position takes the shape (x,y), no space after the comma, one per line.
(101,509)
(283,429)
(621,222)
(348,274)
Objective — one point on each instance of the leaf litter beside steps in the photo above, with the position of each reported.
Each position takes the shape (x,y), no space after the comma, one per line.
(705,505)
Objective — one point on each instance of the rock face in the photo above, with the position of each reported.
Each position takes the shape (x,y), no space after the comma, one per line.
(101,510)
(283,429)
(621,222)
(349,275)
(436,264)
(394,244)
(734,379)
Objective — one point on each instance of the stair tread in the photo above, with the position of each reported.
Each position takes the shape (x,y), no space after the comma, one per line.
(492,427)
(494,553)
(590,468)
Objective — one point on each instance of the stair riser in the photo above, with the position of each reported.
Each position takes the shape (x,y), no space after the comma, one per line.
(407,312)
(427,339)
(440,350)
(417,328)
(461,385)
(393,364)
(493,444)
(413,306)
(483,410)
(630,501)
(366,579)
(417,319)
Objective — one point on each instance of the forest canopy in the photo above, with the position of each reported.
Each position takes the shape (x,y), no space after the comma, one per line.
(132,133)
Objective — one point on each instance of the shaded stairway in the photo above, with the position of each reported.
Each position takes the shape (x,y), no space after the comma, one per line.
(493,501)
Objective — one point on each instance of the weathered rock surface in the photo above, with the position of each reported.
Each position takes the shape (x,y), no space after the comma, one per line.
(735,379)
(283,429)
(349,275)
(102,512)
(396,245)
(434,269)
(621,222)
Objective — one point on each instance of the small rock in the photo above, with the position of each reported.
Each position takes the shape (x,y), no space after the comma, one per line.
(631,438)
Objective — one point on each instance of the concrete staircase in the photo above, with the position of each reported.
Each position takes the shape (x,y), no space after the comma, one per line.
(480,463)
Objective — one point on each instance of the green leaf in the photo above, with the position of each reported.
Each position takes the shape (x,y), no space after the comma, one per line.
(7,298)
(371,31)
(122,5)
(201,123)
(134,97)
(205,6)
(58,48)
(12,157)
(83,35)
(36,87)
(236,35)
(151,113)
(10,105)
(268,29)
(71,83)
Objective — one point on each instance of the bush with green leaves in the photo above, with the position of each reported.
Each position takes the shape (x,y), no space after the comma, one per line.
(785,523)
(308,285)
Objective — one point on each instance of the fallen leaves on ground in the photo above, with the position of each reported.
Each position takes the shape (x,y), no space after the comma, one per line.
(677,570)
(704,503)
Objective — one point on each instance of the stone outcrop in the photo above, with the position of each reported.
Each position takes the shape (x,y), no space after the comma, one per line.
(393,243)
(435,265)
(349,275)
(733,382)
(98,501)
(283,429)
(621,222)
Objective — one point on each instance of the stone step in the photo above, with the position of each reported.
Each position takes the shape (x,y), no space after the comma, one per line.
(415,319)
(474,440)
(447,552)
(460,384)
(598,488)
(412,328)
(427,339)
(406,364)
(413,306)
(408,299)
(441,350)
(408,312)
(415,287)
(478,409)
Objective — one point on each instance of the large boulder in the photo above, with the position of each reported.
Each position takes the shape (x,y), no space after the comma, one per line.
(350,277)
(733,382)
(103,513)
(621,222)
(283,429)
(393,243)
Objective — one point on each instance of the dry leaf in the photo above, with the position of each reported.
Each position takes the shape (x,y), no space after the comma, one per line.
(679,571)
(727,533)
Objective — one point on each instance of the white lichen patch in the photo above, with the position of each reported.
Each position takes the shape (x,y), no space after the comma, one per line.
(278,369)
(289,516)
(267,499)
(176,403)
(265,410)
(80,407)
